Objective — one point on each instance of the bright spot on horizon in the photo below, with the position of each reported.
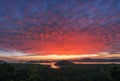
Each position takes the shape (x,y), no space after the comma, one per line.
(55,57)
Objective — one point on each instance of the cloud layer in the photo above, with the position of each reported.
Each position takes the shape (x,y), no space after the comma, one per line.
(60,26)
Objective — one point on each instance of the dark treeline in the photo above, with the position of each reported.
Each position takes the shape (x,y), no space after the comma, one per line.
(34,72)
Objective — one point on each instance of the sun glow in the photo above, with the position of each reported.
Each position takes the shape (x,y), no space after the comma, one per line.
(54,57)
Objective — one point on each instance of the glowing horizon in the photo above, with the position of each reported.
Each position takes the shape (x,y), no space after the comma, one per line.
(14,56)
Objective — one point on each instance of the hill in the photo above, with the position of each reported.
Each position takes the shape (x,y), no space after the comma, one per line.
(2,62)
(64,63)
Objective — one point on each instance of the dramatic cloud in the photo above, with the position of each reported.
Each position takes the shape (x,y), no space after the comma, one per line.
(60,26)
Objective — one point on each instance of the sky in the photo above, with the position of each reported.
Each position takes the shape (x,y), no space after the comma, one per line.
(56,29)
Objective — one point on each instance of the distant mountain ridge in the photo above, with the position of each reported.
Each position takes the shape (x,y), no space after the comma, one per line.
(39,61)
(98,60)
(67,62)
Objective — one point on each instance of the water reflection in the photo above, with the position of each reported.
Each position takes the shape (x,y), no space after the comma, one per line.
(52,65)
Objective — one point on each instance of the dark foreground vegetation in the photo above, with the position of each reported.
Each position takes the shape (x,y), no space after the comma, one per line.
(34,72)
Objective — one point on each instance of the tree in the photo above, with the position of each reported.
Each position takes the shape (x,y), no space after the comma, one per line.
(7,72)
(114,73)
